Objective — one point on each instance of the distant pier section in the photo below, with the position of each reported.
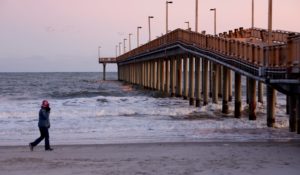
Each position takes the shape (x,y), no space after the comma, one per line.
(105,61)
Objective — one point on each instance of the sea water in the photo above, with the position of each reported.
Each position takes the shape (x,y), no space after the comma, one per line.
(87,110)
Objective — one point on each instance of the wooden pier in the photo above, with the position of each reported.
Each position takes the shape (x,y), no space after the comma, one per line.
(105,61)
(182,63)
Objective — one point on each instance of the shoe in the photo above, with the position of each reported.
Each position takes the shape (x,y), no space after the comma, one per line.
(31,147)
(49,149)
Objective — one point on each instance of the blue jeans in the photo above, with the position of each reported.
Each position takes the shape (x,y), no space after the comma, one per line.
(44,135)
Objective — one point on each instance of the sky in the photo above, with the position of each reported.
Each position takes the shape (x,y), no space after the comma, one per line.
(64,35)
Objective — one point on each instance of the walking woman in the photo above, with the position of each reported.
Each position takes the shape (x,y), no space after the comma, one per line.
(44,125)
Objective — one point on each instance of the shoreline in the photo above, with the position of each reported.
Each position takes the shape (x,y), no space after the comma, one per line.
(235,158)
(207,142)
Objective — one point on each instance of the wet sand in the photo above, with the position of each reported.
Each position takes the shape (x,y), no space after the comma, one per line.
(155,158)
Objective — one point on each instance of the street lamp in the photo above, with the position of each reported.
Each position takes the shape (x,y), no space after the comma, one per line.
(196,18)
(99,47)
(116,50)
(137,36)
(270,21)
(252,14)
(270,18)
(188,24)
(167,20)
(149,17)
(129,41)
(215,20)
(120,43)
(124,41)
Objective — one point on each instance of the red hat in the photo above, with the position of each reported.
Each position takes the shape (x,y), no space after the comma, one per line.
(45,104)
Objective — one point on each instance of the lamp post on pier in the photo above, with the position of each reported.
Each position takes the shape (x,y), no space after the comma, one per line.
(129,41)
(120,48)
(137,36)
(188,24)
(252,21)
(116,50)
(167,15)
(99,48)
(149,17)
(215,20)
(124,42)
(196,17)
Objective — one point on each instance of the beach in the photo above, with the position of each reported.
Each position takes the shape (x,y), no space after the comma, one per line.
(230,158)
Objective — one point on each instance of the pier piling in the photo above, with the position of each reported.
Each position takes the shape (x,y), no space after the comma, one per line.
(205,81)
(238,95)
(185,78)
(179,77)
(225,107)
(197,81)
(191,80)
(270,106)
(215,80)
(252,98)
(293,113)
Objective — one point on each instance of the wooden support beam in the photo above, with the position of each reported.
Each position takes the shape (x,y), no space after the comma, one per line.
(185,78)
(191,81)
(225,107)
(205,81)
(270,106)
(293,113)
(104,71)
(252,99)
(172,76)
(215,88)
(167,87)
(197,81)
(179,77)
(260,92)
(238,95)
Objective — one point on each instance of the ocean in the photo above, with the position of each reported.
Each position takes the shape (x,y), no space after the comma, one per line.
(87,110)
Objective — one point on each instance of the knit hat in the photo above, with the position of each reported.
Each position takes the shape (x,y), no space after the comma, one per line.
(45,104)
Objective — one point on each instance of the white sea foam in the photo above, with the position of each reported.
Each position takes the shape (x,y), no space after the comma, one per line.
(134,119)
(120,114)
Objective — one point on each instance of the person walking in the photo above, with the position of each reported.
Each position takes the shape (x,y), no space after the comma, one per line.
(44,125)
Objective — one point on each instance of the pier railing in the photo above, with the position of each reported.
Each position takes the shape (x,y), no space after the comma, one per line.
(244,45)
(107,60)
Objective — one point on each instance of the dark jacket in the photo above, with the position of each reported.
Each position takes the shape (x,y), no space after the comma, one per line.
(44,117)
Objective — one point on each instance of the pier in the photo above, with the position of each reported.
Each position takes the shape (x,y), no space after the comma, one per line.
(181,62)
(105,61)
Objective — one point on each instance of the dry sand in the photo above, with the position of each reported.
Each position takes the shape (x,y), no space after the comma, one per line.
(155,158)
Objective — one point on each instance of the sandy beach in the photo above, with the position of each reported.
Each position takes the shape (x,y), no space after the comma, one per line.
(155,158)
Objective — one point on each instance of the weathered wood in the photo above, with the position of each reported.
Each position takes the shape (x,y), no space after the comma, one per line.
(260,92)
(197,81)
(252,99)
(185,78)
(270,106)
(205,81)
(104,71)
(167,87)
(225,107)
(215,86)
(293,113)
(238,95)
(191,80)
(179,77)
